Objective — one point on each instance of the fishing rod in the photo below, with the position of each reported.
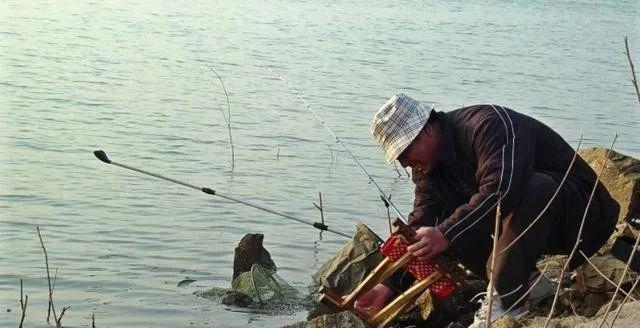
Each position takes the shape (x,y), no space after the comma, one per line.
(386,199)
(101,155)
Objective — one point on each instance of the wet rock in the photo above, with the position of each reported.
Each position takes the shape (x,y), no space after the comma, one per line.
(249,252)
(343,319)
(588,280)
(629,317)
(621,177)
(553,265)
(566,322)
(506,322)
(593,302)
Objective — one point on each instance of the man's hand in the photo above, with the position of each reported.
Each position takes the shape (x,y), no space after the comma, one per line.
(431,242)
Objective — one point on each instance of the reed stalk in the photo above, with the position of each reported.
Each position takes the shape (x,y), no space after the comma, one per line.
(624,273)
(578,240)
(321,209)
(633,70)
(564,178)
(496,231)
(627,296)
(51,307)
(604,276)
(227,117)
(23,305)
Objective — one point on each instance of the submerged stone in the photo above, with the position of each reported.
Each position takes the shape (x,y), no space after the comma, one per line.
(250,251)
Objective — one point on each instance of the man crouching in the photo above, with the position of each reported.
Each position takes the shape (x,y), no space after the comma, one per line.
(466,161)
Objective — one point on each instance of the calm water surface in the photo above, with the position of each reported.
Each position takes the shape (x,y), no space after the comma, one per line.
(131,78)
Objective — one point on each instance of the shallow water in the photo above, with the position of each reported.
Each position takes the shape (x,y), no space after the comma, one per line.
(130,78)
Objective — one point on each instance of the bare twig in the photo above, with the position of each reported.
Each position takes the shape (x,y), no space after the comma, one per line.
(633,70)
(496,231)
(321,211)
(93,320)
(578,240)
(566,174)
(395,166)
(330,151)
(59,320)
(227,118)
(51,308)
(603,275)
(23,305)
(55,278)
(635,284)
(626,269)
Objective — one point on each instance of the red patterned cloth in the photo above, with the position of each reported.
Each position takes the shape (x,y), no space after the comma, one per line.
(396,246)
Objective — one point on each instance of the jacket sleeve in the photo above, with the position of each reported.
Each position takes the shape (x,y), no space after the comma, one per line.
(503,150)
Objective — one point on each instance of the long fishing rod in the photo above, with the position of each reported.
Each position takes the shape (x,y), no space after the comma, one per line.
(383,195)
(101,155)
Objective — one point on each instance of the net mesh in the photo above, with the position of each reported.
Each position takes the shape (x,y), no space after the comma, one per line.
(263,285)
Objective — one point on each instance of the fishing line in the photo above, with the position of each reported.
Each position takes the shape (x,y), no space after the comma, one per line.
(383,195)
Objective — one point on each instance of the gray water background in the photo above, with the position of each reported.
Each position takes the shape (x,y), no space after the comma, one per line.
(130,78)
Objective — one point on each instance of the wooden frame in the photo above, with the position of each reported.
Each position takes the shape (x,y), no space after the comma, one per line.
(384,317)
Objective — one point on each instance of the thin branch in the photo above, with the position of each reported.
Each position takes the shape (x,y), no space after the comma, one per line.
(566,174)
(46,261)
(407,172)
(496,231)
(633,70)
(626,269)
(227,117)
(23,305)
(635,284)
(578,240)
(59,320)
(55,278)
(93,320)
(321,208)
(603,275)
(395,166)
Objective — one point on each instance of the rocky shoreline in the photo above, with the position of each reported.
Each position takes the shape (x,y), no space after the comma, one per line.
(583,298)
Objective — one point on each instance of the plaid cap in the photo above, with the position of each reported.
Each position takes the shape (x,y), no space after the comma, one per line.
(397,123)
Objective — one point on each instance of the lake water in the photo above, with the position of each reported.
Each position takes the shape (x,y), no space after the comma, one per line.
(131,78)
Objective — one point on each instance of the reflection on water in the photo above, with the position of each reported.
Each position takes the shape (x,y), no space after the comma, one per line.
(131,79)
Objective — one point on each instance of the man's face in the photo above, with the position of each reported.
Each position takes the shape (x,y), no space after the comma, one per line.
(421,154)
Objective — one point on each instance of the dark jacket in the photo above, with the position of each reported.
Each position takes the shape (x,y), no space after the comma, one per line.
(489,152)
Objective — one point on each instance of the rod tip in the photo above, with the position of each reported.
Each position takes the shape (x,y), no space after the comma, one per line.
(101,155)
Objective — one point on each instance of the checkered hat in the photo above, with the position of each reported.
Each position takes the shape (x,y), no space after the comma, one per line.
(397,123)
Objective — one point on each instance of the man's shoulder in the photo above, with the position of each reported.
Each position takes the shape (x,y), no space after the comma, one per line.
(475,114)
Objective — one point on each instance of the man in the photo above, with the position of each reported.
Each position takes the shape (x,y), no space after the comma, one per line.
(466,162)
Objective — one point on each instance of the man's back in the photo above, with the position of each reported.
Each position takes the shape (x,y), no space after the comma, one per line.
(489,152)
